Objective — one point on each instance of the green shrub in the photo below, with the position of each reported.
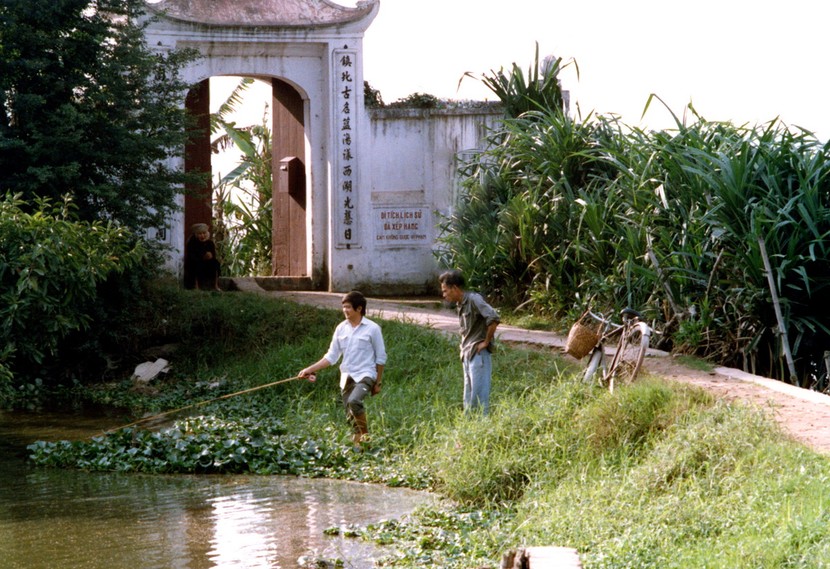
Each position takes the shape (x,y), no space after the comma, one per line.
(418,101)
(372,99)
(50,276)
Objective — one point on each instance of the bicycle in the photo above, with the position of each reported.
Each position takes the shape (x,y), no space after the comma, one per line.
(634,335)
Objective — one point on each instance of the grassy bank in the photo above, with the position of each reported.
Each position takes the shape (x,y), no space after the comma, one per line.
(655,475)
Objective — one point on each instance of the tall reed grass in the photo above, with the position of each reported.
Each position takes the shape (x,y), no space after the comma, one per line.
(560,213)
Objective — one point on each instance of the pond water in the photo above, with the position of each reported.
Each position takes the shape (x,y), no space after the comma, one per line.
(70,519)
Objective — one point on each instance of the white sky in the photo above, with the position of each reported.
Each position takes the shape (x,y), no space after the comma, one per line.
(746,61)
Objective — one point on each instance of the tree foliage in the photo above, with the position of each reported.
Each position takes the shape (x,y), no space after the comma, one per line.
(51,271)
(87,109)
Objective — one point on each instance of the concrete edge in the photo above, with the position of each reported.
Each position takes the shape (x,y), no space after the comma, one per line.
(775,385)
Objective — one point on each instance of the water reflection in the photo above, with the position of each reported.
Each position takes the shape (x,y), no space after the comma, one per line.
(51,518)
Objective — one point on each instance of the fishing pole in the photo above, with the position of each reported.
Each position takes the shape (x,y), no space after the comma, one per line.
(200,403)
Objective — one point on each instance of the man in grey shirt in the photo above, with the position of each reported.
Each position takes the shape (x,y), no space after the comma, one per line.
(478,322)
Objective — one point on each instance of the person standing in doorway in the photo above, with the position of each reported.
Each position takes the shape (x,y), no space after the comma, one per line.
(359,342)
(201,267)
(478,322)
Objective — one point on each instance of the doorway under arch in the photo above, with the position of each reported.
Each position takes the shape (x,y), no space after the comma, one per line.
(289,189)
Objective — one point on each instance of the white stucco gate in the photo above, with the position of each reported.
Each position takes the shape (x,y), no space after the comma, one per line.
(355,193)
(312,50)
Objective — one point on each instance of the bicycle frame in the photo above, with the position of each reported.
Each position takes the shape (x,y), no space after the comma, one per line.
(634,335)
(597,354)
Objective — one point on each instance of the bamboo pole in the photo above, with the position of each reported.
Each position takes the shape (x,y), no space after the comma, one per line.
(200,403)
(782,329)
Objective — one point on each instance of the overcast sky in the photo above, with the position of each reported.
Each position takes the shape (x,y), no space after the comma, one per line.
(738,60)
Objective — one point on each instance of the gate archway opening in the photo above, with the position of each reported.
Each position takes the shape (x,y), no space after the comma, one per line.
(286,194)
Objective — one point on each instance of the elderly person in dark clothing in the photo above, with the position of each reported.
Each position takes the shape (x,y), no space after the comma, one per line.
(201,268)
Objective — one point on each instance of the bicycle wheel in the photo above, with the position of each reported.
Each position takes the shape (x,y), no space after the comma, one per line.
(629,356)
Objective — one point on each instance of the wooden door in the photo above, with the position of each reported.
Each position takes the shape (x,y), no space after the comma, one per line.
(289,191)
(198,197)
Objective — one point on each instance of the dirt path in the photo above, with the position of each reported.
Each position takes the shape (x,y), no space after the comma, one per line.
(803,414)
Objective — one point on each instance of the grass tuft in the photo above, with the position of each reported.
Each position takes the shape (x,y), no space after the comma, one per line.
(654,475)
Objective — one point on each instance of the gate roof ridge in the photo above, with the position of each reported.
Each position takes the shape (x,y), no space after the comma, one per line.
(271,13)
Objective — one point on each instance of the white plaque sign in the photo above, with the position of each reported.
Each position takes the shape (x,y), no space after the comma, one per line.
(402,226)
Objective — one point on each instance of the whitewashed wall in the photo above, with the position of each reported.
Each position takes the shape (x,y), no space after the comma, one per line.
(410,172)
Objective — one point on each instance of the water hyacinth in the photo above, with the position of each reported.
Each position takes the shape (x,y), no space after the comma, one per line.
(198,445)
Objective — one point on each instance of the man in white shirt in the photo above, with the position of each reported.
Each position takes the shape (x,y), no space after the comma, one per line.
(360,343)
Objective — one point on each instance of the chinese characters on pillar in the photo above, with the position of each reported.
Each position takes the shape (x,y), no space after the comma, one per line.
(344,177)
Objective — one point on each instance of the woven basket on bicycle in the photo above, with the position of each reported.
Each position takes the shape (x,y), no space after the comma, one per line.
(582,338)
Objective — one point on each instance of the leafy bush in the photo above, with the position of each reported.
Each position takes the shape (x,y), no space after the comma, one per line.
(417,101)
(50,276)
(372,99)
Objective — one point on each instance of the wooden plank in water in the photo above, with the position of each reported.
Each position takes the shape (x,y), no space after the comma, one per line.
(546,557)
(551,557)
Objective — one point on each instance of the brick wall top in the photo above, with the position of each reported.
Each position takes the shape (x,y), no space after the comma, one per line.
(461,109)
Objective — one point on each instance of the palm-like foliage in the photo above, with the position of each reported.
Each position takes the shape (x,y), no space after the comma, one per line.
(539,90)
(243,196)
(559,213)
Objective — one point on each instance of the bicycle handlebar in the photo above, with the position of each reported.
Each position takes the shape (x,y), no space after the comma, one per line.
(628,312)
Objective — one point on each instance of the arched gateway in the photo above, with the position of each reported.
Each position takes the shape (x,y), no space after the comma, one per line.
(354,191)
(311,52)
